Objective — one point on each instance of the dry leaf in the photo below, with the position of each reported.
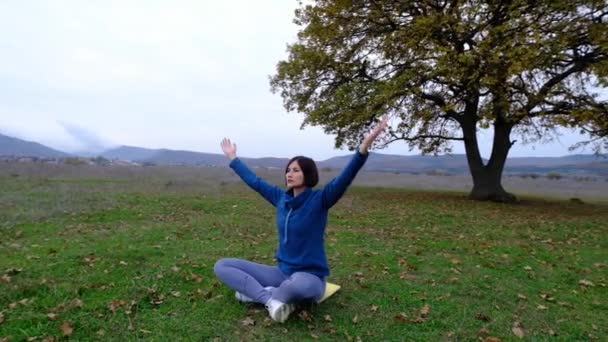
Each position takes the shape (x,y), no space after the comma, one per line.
(305,315)
(327,318)
(13,271)
(401,317)
(374,308)
(527,268)
(482,317)
(483,332)
(541,307)
(521,296)
(76,302)
(355,319)
(1,317)
(248,321)
(52,316)
(124,263)
(175,269)
(5,279)
(424,311)
(518,330)
(144,331)
(584,282)
(547,297)
(66,328)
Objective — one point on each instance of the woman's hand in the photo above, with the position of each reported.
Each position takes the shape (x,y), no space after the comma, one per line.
(228,148)
(373,134)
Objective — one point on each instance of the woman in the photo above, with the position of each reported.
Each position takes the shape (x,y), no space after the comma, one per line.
(301,221)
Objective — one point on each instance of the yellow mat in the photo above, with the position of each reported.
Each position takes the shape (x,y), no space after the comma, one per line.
(330,289)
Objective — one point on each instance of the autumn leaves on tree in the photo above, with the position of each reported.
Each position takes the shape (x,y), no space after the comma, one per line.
(445,69)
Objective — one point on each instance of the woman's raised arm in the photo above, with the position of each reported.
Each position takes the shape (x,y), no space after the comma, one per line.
(334,190)
(270,192)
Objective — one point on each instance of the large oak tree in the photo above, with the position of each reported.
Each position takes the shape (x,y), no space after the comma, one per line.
(446,69)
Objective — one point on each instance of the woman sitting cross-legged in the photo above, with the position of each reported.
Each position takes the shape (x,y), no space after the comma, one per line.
(301,220)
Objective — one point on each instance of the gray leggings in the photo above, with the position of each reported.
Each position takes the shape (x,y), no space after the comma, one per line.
(250,278)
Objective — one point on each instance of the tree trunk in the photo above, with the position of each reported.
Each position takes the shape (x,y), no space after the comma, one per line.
(487,183)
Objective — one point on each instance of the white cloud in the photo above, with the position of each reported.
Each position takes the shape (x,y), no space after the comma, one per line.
(180,74)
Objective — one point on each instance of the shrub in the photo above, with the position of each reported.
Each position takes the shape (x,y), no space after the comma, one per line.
(554,175)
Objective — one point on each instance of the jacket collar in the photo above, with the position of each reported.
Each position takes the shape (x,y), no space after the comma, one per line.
(296,202)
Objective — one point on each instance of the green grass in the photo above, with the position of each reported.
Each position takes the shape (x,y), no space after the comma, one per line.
(127,261)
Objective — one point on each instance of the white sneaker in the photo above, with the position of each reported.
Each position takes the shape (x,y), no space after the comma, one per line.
(279,311)
(245,299)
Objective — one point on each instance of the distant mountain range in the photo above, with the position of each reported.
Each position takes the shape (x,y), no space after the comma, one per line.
(17,147)
(579,164)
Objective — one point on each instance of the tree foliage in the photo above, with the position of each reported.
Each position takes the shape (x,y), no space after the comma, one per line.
(444,69)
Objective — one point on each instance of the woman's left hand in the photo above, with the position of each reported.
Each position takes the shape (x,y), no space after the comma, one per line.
(373,134)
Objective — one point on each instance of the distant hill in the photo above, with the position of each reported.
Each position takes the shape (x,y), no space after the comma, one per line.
(455,163)
(10,146)
(581,164)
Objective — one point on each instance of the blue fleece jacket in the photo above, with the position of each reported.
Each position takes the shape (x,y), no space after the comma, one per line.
(301,220)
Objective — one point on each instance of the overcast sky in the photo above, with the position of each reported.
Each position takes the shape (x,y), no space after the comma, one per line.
(160,74)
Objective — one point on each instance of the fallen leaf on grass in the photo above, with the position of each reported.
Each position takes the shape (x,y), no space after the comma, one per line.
(115,304)
(424,311)
(527,268)
(1,317)
(584,282)
(551,332)
(13,271)
(305,316)
(5,279)
(541,307)
(327,318)
(518,330)
(483,333)
(492,339)
(194,277)
(374,308)
(521,296)
(144,331)
(52,316)
(402,317)
(407,265)
(355,319)
(248,321)
(482,317)
(66,328)
(547,297)
(77,303)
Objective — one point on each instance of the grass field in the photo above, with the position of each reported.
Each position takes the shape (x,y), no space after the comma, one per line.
(127,259)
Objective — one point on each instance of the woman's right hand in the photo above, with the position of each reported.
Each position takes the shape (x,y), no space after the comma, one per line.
(229,148)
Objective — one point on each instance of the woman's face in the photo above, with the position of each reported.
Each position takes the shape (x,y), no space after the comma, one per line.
(294,178)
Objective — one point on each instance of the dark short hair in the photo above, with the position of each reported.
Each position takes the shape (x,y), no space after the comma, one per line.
(309,169)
